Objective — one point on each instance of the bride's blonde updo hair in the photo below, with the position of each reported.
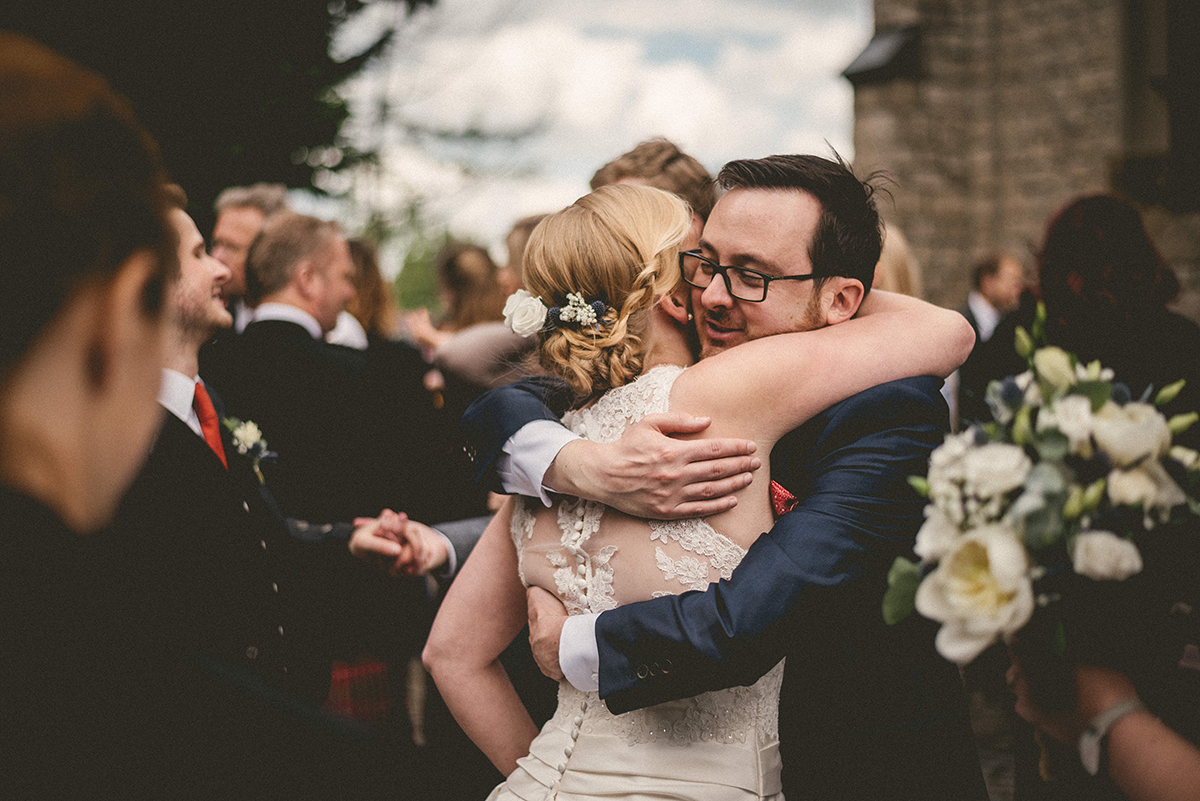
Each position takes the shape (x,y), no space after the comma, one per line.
(619,244)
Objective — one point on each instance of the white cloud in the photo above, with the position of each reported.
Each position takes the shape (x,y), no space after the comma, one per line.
(723,78)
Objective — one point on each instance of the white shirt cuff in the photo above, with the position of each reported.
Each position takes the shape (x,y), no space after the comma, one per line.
(525,458)
(578,654)
(451,568)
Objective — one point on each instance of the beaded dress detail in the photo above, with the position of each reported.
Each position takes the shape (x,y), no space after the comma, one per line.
(719,745)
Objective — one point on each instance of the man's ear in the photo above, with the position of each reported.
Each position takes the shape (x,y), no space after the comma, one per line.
(678,304)
(844,298)
(305,279)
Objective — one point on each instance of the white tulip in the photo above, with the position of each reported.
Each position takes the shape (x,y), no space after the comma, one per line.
(1131,432)
(1103,555)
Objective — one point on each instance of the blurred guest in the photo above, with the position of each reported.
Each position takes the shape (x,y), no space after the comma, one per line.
(1145,758)
(85,250)
(660,163)
(470,293)
(1106,290)
(373,305)
(224,618)
(512,275)
(897,269)
(998,281)
(241,213)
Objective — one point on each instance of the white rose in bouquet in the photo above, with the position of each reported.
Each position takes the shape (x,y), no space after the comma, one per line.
(1131,432)
(980,591)
(994,469)
(524,313)
(937,537)
(1072,415)
(1102,555)
(1148,485)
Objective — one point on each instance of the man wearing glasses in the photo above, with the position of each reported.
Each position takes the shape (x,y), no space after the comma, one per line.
(867,710)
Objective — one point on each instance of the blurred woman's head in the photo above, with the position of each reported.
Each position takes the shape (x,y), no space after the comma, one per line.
(1098,264)
(86,248)
(618,245)
(469,286)
(372,305)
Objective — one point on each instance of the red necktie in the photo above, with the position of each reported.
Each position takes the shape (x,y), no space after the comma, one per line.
(209,424)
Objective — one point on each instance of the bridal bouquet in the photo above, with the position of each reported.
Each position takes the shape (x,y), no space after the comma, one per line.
(1067,479)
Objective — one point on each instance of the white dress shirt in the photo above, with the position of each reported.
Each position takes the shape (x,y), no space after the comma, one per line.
(986,315)
(175,393)
(288,313)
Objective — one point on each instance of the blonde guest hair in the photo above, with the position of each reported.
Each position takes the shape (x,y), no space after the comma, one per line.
(619,244)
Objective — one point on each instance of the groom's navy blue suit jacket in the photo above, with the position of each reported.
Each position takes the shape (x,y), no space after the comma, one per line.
(868,710)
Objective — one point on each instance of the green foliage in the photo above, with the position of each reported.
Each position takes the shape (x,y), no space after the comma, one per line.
(234,92)
(416,285)
(899,600)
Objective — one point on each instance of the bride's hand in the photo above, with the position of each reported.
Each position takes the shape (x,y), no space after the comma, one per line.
(648,473)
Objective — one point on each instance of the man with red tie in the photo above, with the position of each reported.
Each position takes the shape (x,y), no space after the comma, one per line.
(227,619)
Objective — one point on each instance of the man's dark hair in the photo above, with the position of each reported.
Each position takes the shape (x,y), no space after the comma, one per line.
(81,190)
(986,267)
(848,237)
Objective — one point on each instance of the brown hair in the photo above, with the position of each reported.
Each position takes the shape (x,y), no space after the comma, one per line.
(468,274)
(80,190)
(660,163)
(620,245)
(285,241)
(372,302)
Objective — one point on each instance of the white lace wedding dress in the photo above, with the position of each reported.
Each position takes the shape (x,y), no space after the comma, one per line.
(719,745)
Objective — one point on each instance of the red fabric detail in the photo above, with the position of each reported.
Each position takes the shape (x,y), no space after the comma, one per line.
(782,501)
(359,690)
(209,425)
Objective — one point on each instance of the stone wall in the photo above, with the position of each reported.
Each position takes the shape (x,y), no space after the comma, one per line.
(1019,106)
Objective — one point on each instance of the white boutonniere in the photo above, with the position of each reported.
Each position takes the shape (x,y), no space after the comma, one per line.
(249,441)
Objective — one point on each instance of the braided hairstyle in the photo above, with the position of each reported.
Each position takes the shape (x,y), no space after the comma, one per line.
(619,244)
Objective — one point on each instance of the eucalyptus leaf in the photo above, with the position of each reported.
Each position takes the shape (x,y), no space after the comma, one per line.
(1098,392)
(1052,445)
(920,484)
(899,600)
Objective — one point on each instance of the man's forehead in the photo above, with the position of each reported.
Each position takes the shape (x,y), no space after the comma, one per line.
(763,226)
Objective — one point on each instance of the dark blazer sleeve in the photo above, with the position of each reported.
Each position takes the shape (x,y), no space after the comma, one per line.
(850,466)
(495,416)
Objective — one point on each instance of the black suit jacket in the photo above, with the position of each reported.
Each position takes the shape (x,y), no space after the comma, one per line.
(354,432)
(868,711)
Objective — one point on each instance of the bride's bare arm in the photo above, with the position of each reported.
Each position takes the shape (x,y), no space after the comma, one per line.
(483,611)
(765,388)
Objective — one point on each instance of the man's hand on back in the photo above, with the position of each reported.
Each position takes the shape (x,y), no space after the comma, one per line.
(648,473)
(546,618)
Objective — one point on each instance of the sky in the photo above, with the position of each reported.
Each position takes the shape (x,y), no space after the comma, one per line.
(557,88)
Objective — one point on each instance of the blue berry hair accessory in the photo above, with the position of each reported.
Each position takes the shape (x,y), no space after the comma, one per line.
(577,311)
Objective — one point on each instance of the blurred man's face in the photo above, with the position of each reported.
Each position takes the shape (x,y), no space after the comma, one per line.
(335,272)
(768,230)
(1003,290)
(198,304)
(232,236)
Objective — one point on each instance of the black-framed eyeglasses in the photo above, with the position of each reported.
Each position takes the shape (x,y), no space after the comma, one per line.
(741,282)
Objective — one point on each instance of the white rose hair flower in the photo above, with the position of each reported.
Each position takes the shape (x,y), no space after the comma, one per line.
(524,313)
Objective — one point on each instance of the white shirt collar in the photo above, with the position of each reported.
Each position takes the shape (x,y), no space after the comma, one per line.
(175,393)
(288,313)
(986,315)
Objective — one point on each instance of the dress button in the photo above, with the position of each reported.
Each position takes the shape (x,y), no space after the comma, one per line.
(578,721)
(562,767)
(574,734)
(568,751)
(582,569)
(251,652)
(583,706)
(579,525)
(580,558)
